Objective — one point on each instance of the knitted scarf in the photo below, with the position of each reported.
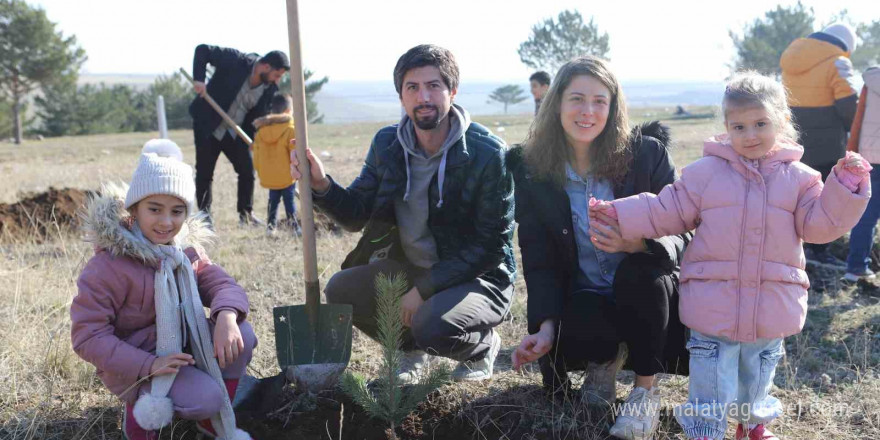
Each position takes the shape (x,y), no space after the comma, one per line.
(180,315)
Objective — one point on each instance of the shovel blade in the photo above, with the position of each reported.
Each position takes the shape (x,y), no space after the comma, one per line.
(301,342)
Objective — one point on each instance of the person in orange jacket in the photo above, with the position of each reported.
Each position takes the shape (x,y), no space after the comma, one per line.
(818,74)
(272,150)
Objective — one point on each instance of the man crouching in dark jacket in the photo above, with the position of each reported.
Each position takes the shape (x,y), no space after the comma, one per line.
(435,201)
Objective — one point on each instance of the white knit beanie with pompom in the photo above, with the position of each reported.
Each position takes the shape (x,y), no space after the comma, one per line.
(161,170)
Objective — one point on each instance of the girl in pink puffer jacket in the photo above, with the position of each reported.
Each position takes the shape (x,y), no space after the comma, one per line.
(743,285)
(138,315)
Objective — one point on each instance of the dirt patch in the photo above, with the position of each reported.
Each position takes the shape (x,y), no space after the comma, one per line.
(38,214)
(295,415)
(516,412)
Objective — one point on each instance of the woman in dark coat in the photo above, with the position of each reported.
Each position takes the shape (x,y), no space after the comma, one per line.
(589,290)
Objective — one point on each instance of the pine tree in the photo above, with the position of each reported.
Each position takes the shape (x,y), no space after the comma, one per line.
(390,400)
(32,54)
(555,42)
(762,42)
(312,88)
(867,54)
(509,94)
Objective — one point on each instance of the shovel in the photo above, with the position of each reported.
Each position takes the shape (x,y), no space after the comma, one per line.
(238,131)
(312,341)
(247,140)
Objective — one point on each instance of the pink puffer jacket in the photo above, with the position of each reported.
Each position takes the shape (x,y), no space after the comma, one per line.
(114,313)
(743,274)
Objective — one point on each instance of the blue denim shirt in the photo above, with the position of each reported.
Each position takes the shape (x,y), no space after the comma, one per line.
(597,267)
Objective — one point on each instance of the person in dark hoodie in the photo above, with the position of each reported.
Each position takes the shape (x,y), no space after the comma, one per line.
(435,201)
(589,290)
(818,74)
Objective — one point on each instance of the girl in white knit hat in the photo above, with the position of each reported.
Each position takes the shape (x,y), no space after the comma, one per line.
(138,315)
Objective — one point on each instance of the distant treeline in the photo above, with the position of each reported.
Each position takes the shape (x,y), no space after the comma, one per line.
(65,108)
(68,109)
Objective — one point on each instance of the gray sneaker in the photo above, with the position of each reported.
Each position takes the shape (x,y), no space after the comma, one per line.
(472,371)
(412,366)
(639,416)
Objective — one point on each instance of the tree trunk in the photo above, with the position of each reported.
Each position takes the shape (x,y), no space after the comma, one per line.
(16,118)
(505,108)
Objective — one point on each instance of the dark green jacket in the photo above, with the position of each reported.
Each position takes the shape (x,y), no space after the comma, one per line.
(473,228)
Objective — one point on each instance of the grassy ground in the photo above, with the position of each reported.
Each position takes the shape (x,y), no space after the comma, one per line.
(828,380)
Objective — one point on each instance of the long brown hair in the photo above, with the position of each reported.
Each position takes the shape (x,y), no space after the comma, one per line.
(547,151)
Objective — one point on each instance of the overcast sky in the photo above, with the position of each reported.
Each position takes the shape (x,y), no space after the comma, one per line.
(361,40)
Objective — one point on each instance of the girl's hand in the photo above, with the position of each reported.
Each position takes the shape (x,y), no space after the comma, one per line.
(228,343)
(602,206)
(854,163)
(605,235)
(852,171)
(531,349)
(170,364)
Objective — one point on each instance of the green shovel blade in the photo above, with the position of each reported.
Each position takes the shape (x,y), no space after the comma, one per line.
(299,342)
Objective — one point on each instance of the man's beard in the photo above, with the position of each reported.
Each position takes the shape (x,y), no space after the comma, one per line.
(430,122)
(264,78)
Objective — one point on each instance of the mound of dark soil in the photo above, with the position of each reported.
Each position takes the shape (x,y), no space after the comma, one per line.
(518,412)
(38,214)
(295,415)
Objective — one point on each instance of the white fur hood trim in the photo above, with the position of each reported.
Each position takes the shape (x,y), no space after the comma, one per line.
(104,223)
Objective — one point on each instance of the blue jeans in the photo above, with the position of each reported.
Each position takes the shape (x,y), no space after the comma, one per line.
(729,378)
(861,239)
(276,195)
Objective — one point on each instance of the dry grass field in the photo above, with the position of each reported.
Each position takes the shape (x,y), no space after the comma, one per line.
(829,380)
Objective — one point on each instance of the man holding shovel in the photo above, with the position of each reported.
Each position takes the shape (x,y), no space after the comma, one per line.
(435,201)
(242,85)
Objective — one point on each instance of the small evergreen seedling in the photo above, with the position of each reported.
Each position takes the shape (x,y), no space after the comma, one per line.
(388,399)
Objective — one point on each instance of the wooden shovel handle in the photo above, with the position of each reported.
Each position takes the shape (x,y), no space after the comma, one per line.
(220,111)
(297,86)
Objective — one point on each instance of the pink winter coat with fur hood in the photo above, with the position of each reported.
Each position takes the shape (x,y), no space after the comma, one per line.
(114,315)
(743,275)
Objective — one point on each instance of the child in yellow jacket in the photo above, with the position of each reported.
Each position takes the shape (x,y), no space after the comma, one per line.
(272,150)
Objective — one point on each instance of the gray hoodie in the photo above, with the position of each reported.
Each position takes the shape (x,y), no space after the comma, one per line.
(411,210)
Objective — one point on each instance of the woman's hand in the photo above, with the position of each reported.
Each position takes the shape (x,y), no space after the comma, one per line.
(605,235)
(534,346)
(319,179)
(228,343)
(170,364)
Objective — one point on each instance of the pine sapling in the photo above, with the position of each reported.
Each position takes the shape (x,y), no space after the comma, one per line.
(387,398)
